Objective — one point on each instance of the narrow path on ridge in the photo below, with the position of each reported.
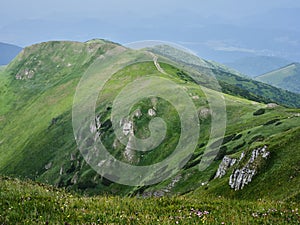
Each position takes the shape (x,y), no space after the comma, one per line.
(157,64)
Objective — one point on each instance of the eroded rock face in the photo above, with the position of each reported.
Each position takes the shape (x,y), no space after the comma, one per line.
(127,127)
(240,177)
(243,176)
(226,163)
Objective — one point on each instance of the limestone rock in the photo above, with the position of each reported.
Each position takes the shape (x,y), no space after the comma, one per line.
(271,105)
(226,163)
(127,127)
(151,112)
(240,177)
(204,113)
(137,113)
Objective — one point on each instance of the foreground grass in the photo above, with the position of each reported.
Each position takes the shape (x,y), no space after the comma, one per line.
(30,203)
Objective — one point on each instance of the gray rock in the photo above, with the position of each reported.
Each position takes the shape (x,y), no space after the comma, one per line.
(127,128)
(243,176)
(271,105)
(137,113)
(226,163)
(151,112)
(205,113)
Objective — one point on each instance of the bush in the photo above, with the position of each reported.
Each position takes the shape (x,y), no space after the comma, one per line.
(259,112)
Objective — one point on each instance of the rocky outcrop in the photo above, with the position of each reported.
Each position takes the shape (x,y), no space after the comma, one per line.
(226,163)
(271,105)
(243,176)
(25,74)
(137,113)
(127,128)
(204,113)
(151,112)
(240,177)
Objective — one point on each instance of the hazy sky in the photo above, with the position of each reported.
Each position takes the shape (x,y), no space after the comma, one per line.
(219,25)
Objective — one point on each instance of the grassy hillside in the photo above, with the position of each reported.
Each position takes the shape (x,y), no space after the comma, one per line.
(37,140)
(231,81)
(30,203)
(287,77)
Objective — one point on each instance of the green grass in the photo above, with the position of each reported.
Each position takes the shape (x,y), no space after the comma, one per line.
(30,203)
(231,82)
(36,129)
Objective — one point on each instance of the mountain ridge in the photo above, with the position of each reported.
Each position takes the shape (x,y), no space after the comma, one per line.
(37,139)
(286,77)
(257,65)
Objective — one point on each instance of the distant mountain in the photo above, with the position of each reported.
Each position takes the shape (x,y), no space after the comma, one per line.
(287,77)
(257,65)
(8,52)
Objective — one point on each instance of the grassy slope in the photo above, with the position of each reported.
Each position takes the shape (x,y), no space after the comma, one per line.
(230,81)
(36,103)
(277,179)
(286,77)
(43,104)
(30,203)
(46,110)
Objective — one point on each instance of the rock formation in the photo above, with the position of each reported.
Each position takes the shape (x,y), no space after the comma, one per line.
(226,163)
(240,177)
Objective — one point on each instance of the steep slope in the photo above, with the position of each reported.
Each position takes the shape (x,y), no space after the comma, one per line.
(257,65)
(8,52)
(37,139)
(287,77)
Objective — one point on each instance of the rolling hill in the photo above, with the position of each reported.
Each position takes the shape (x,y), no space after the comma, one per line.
(231,81)
(8,52)
(287,77)
(37,124)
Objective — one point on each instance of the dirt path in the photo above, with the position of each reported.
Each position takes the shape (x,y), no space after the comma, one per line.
(157,64)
